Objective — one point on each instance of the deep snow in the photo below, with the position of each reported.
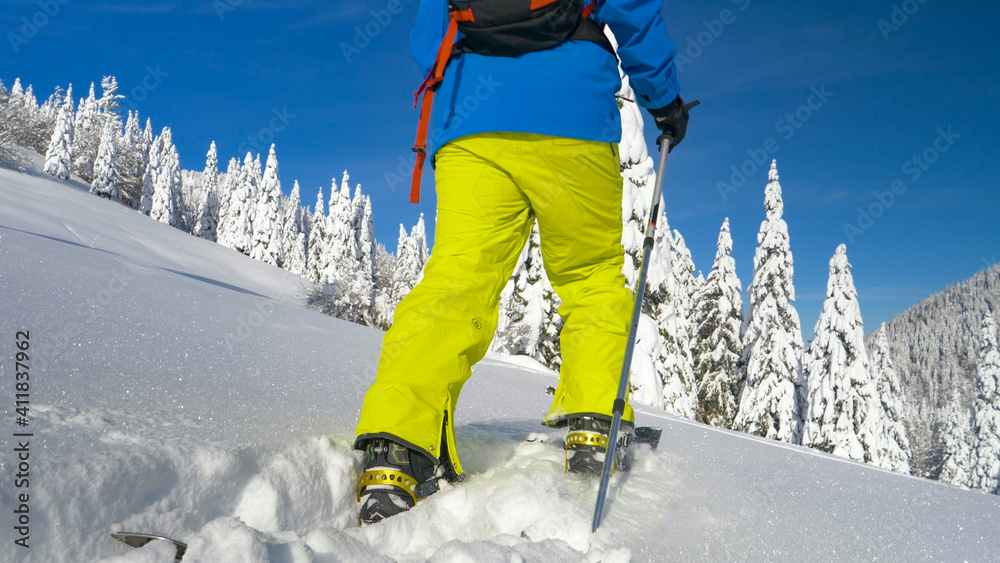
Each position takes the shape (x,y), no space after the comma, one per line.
(181,388)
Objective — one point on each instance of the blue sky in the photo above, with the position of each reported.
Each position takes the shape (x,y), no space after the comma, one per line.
(927,87)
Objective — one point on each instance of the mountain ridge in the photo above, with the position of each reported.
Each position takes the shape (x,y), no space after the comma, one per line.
(934,345)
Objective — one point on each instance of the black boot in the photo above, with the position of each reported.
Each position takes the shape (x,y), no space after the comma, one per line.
(587,443)
(394,478)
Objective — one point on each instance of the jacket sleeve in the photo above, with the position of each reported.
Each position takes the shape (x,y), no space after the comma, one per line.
(428,32)
(646,52)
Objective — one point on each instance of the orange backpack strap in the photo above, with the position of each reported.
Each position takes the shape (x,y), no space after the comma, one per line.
(427,88)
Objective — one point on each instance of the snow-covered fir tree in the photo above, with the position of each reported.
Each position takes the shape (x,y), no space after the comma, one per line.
(341,249)
(147,132)
(645,379)
(533,322)
(16,92)
(407,264)
(268,220)
(191,195)
(354,275)
(956,443)
(505,338)
(411,255)
(673,315)
(170,179)
(14,98)
(51,106)
(105,168)
(638,178)
(843,414)
(226,189)
(419,235)
(668,305)
(47,114)
(770,366)
(87,131)
(42,120)
(349,287)
(362,285)
(657,309)
(32,113)
(165,177)
(367,274)
(91,116)
(317,242)
(59,157)
(923,429)
(28,100)
(157,201)
(684,270)
(145,150)
(23,123)
(131,161)
(986,454)
(8,127)
(142,202)
(152,170)
(385,266)
(208,211)
(717,317)
(895,454)
(294,232)
(29,106)
(108,104)
(242,207)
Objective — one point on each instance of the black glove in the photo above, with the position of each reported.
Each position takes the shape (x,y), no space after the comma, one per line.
(672,120)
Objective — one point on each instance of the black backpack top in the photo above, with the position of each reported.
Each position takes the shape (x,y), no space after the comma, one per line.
(508,28)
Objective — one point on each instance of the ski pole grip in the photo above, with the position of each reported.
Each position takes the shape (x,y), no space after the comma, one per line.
(664,142)
(670,140)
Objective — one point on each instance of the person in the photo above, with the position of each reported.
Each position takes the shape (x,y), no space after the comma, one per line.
(524,130)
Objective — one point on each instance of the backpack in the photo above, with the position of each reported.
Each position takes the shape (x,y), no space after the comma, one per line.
(501,28)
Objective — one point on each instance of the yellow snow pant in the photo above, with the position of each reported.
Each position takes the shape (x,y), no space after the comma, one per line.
(490,189)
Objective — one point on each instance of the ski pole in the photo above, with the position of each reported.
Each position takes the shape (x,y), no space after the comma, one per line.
(665,141)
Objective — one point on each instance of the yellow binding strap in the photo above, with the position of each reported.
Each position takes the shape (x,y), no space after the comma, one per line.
(585,438)
(388,477)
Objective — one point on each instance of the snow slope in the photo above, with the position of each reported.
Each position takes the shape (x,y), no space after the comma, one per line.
(180,388)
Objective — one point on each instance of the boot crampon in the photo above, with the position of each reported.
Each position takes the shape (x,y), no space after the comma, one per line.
(395,478)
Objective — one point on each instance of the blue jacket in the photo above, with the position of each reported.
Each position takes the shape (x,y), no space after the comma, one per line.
(568,91)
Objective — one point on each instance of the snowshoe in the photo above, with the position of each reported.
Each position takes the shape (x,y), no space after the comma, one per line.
(138,539)
(587,442)
(394,479)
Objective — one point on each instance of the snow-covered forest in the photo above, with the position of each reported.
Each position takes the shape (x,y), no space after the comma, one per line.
(332,247)
(936,347)
(918,396)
